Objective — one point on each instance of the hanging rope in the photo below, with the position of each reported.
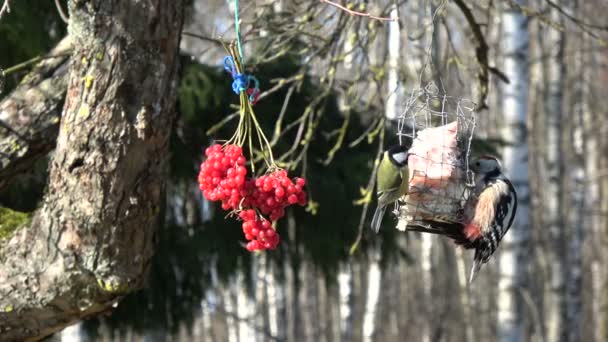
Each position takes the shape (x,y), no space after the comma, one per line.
(241,82)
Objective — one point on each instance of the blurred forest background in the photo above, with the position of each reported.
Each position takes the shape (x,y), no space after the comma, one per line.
(336,82)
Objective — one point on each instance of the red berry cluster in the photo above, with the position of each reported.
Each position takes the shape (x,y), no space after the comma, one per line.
(222,177)
(275,191)
(258,231)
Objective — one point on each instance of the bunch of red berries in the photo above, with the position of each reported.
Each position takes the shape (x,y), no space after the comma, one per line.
(275,191)
(223,177)
(258,231)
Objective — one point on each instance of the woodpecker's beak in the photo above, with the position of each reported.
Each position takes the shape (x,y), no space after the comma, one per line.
(474,270)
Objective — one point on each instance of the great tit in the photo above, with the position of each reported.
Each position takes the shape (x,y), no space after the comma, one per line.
(391,180)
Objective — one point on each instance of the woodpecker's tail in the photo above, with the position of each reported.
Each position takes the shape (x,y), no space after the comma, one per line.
(474,269)
(483,251)
(452,230)
(377,219)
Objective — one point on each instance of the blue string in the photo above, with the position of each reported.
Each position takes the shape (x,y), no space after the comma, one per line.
(241,82)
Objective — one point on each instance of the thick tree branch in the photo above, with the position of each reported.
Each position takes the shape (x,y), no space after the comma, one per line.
(481,54)
(91,241)
(29,116)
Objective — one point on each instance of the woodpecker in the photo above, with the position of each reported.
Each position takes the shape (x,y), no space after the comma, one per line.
(490,212)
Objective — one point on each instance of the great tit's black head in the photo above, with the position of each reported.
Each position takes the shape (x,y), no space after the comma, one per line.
(398,155)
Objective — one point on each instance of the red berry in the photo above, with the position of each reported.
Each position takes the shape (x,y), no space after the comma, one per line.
(239,180)
(292,199)
(270,202)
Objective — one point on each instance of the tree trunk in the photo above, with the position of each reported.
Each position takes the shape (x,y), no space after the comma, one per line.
(515,101)
(374,284)
(346,282)
(426,264)
(393,100)
(91,241)
(555,305)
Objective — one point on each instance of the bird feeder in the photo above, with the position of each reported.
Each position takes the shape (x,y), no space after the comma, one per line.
(441,130)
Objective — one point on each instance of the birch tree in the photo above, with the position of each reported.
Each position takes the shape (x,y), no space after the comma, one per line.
(512,264)
(556,309)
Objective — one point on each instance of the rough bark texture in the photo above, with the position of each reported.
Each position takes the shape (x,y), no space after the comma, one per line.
(29,116)
(91,241)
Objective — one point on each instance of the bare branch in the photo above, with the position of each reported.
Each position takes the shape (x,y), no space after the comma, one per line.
(5,8)
(481,54)
(361,14)
(29,115)
(62,14)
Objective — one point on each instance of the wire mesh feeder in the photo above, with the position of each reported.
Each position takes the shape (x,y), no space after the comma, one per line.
(440,128)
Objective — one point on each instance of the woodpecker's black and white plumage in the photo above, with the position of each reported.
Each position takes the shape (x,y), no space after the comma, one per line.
(490,212)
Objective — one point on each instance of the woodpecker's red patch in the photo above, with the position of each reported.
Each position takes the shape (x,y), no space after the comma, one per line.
(472,232)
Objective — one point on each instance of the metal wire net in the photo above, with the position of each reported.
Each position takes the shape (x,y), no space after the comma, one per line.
(440,128)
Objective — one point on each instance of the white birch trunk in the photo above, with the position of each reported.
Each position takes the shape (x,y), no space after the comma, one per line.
(73,333)
(345,283)
(426,264)
(574,310)
(465,299)
(374,283)
(394,54)
(594,224)
(555,310)
(515,101)
(260,302)
(245,309)
(229,308)
(274,301)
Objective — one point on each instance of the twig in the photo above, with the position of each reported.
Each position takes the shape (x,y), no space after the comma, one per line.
(29,62)
(5,8)
(369,188)
(62,14)
(575,19)
(208,39)
(481,54)
(361,14)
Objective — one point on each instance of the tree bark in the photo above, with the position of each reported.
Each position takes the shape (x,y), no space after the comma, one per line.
(90,243)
